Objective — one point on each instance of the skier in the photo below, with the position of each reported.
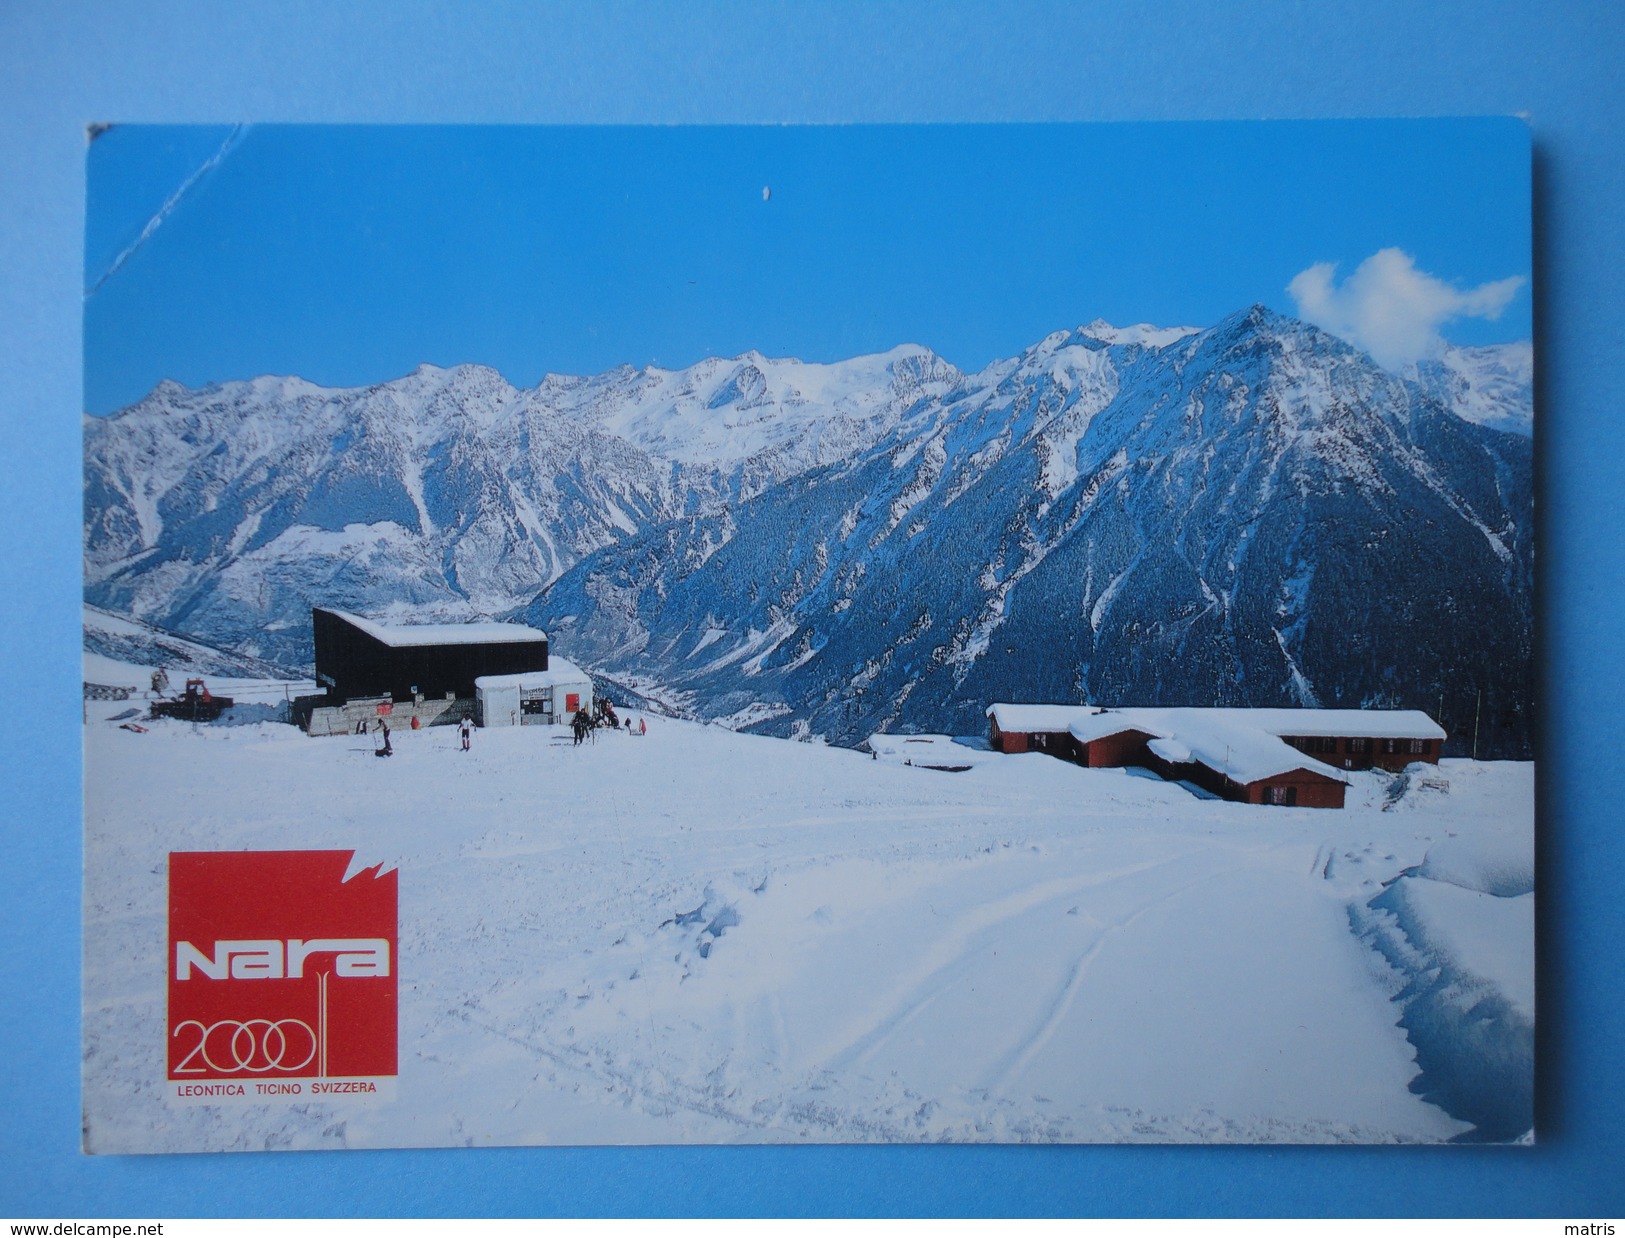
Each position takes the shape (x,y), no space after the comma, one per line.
(465,728)
(386,750)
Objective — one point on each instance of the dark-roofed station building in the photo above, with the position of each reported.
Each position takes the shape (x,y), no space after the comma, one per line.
(357,657)
(425,670)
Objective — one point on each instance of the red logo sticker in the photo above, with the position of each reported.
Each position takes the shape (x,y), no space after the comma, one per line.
(282,975)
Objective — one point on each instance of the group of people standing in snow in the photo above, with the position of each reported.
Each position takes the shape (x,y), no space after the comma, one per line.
(582,724)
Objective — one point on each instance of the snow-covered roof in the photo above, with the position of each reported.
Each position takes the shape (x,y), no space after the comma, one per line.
(1170,750)
(1371,723)
(559,671)
(1114,722)
(1231,743)
(1018,718)
(444,633)
(1247,744)
(927,751)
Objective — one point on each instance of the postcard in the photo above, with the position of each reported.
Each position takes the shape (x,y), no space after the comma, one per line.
(894,634)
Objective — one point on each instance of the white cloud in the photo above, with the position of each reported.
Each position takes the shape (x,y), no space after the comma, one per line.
(1390,309)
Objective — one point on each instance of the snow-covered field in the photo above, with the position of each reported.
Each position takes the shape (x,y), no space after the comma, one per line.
(695,935)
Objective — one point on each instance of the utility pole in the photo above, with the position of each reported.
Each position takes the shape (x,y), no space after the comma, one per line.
(1478,712)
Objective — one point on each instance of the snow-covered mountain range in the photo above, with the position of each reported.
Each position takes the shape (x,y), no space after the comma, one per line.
(448,493)
(1250,513)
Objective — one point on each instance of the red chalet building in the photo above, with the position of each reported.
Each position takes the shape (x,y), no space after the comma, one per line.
(1254,756)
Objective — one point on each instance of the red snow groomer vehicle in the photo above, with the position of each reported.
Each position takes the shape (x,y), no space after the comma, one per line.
(196,704)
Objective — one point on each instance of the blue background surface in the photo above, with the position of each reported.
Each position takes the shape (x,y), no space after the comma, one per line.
(64,65)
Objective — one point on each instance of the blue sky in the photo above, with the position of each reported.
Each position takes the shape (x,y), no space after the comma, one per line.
(351,254)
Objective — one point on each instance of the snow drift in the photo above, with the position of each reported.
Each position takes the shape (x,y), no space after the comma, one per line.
(698,935)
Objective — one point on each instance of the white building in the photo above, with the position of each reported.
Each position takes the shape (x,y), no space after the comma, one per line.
(532,698)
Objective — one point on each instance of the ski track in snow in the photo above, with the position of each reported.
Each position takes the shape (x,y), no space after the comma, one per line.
(699,935)
(1030,1045)
(948,962)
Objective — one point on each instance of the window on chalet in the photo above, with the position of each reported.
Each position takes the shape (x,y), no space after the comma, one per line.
(1358,747)
(1390,747)
(1419,746)
(1284,796)
(1323,743)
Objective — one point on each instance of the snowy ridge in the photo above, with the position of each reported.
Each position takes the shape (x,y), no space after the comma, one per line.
(1142,333)
(1457,932)
(722,413)
(115,645)
(1491,386)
